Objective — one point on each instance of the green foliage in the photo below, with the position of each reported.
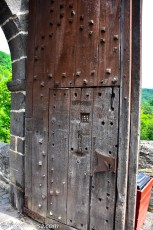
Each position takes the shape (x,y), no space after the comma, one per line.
(5,97)
(147,115)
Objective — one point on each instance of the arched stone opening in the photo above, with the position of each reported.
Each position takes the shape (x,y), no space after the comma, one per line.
(14,23)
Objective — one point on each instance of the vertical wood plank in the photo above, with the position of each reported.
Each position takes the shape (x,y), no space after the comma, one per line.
(66,46)
(40,37)
(50,45)
(109,60)
(87,43)
(124,127)
(39,148)
(135,113)
(79,158)
(58,153)
(105,138)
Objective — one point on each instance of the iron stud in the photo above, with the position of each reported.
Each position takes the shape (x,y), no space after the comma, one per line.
(63,75)
(40,141)
(50,75)
(52,10)
(57,192)
(58,23)
(41,95)
(43,197)
(43,153)
(85,82)
(114,80)
(90,33)
(35,77)
(40,185)
(40,163)
(42,47)
(36,58)
(51,23)
(42,84)
(62,5)
(102,81)
(44,176)
(51,192)
(81,17)
(73,12)
(51,214)
(93,72)
(102,40)
(81,27)
(63,182)
(70,5)
(103,29)
(78,73)
(39,205)
(59,217)
(115,49)
(43,36)
(91,22)
(108,70)
(51,35)
(115,37)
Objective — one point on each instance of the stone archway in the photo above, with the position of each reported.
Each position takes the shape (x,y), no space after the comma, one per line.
(14,23)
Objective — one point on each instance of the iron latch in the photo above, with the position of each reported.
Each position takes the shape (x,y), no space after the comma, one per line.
(105,163)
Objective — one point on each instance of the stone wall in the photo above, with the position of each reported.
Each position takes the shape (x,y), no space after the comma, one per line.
(14,22)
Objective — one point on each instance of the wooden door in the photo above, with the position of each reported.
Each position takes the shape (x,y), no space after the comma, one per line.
(77,92)
(82,124)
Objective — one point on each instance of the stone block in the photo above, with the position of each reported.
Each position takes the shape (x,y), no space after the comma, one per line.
(17,169)
(12,143)
(20,145)
(18,69)
(18,124)
(18,101)
(17,47)
(11,28)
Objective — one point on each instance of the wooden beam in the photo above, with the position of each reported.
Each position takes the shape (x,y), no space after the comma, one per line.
(135,113)
(124,119)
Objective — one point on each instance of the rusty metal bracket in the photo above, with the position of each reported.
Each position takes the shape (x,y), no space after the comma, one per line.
(106,163)
(34,215)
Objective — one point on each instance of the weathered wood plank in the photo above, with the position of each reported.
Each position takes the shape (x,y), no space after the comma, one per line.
(135,113)
(40,37)
(87,45)
(39,148)
(52,224)
(58,153)
(79,158)
(66,46)
(50,40)
(124,128)
(105,138)
(109,60)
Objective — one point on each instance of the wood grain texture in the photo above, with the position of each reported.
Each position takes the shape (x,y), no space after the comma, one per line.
(79,159)
(58,153)
(124,127)
(39,148)
(109,45)
(105,138)
(87,46)
(135,113)
(66,43)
